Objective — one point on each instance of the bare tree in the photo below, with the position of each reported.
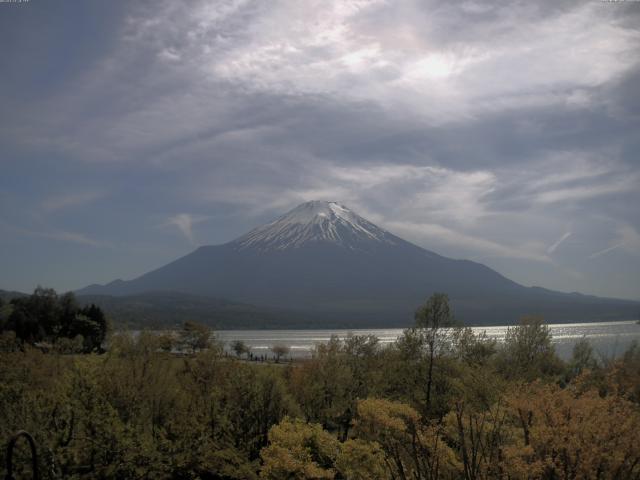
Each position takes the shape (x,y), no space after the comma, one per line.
(434,321)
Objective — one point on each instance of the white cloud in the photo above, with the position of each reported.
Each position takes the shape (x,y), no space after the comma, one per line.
(395,56)
(329,48)
(185,223)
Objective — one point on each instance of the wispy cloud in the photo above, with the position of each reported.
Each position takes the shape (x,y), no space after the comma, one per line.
(626,238)
(445,193)
(60,235)
(428,233)
(630,238)
(73,237)
(578,193)
(605,251)
(69,200)
(185,223)
(552,248)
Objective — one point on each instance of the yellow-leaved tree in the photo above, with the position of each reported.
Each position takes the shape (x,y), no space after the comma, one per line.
(559,434)
(413,449)
(299,450)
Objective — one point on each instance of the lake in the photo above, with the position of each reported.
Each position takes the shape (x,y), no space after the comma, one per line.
(607,338)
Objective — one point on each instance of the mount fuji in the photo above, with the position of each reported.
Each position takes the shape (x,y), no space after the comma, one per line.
(321,262)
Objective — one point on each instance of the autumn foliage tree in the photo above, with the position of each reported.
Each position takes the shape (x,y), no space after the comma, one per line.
(555,433)
(413,448)
(298,450)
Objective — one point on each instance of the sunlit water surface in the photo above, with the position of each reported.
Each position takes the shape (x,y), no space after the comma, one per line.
(609,339)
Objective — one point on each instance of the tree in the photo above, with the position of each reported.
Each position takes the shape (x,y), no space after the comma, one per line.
(195,336)
(476,422)
(45,316)
(101,326)
(527,351)
(43,305)
(280,350)
(326,388)
(582,358)
(433,321)
(24,324)
(240,348)
(478,436)
(36,317)
(166,342)
(67,310)
(362,354)
(473,349)
(298,450)
(560,435)
(622,376)
(5,311)
(360,460)
(413,448)
(89,322)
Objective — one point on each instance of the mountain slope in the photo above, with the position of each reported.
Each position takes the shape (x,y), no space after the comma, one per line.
(325,260)
(7,295)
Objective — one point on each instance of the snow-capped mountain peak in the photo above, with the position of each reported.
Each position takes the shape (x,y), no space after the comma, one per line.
(315,222)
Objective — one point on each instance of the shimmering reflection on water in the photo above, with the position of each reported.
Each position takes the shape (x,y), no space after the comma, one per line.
(608,338)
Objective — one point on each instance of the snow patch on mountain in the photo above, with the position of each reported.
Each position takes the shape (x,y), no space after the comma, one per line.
(315,222)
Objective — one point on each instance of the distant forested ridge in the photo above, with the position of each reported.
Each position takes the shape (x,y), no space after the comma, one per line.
(163,309)
(439,403)
(171,309)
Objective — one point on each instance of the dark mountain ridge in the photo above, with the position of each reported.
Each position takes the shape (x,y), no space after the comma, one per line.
(321,260)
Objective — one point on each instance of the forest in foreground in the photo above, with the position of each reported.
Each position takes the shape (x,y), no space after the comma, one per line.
(440,403)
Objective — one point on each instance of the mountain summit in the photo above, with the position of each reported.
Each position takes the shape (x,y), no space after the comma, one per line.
(328,265)
(314,222)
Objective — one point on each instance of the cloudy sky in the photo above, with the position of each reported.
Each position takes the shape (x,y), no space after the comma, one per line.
(505,132)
